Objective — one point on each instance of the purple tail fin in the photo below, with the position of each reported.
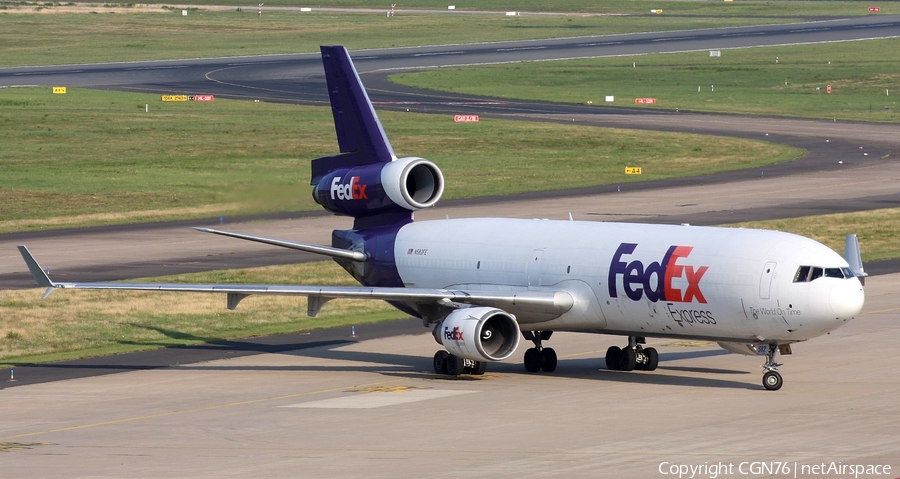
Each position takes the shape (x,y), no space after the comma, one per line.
(366,180)
(361,138)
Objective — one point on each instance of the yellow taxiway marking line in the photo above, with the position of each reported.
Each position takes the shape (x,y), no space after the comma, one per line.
(585,353)
(198,409)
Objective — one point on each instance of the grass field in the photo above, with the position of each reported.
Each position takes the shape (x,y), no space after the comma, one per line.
(769,8)
(865,78)
(47,39)
(95,157)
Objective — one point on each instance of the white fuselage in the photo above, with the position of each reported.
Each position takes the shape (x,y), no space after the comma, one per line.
(724,284)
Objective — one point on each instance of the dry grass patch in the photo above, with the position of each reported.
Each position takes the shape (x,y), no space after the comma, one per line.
(47,8)
(112,217)
(82,323)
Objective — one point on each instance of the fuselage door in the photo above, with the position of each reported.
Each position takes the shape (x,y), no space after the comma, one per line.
(765,280)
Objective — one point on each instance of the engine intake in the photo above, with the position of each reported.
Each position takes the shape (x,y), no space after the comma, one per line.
(479,334)
(413,183)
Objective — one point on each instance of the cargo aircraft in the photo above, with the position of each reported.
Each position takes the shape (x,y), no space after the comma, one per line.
(483,284)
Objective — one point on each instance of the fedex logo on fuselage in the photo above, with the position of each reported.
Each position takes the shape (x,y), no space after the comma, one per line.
(638,280)
(351,191)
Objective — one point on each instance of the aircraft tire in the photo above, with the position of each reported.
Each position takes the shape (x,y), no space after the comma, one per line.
(612,358)
(480,368)
(455,365)
(772,381)
(549,359)
(533,360)
(627,360)
(440,362)
(652,359)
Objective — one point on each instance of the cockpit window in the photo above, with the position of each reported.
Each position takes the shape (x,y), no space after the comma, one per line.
(802,274)
(806,274)
(816,273)
(834,273)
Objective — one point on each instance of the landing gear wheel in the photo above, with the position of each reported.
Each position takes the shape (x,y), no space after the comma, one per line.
(549,360)
(480,368)
(612,358)
(772,381)
(652,359)
(455,365)
(533,360)
(627,360)
(440,362)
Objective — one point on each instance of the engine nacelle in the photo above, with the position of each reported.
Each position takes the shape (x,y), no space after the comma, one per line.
(479,334)
(405,184)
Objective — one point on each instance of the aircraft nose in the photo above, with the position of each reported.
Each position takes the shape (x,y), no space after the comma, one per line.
(847,298)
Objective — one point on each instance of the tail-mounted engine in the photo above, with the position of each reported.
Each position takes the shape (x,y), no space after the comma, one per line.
(479,334)
(407,184)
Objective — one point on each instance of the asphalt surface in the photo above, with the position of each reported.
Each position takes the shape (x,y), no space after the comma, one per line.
(298,79)
(374,409)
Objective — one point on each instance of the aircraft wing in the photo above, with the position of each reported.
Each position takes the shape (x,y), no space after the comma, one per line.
(548,302)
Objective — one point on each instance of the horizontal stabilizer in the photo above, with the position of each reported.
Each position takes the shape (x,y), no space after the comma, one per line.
(308,247)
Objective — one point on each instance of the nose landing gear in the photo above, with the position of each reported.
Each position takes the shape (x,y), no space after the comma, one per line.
(771,378)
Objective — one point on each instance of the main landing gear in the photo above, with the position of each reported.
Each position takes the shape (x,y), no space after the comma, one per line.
(632,357)
(446,363)
(539,357)
(771,378)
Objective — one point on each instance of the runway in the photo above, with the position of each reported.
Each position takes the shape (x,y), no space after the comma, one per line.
(372,408)
(299,78)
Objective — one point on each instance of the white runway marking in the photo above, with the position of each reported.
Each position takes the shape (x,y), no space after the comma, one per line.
(380,399)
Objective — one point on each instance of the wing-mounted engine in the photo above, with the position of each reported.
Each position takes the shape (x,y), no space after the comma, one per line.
(479,334)
(403,185)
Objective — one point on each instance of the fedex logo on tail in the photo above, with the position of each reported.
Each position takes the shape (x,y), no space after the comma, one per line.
(638,280)
(350,191)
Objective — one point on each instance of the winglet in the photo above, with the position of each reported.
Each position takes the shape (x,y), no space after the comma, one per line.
(40,276)
(853,256)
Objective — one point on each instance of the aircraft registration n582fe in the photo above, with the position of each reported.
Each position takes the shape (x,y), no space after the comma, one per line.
(482,284)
